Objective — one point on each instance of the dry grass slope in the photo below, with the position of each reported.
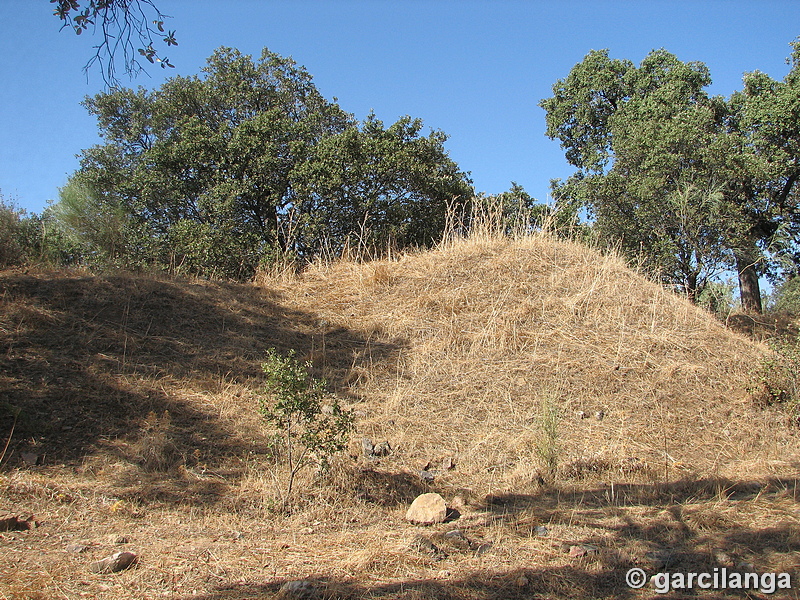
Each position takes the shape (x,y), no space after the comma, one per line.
(138,397)
(490,328)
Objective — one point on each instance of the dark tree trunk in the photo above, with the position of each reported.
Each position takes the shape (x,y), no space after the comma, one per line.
(749,289)
(691,287)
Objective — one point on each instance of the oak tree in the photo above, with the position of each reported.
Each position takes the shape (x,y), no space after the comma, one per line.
(686,183)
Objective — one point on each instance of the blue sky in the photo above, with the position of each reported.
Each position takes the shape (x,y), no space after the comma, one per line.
(474,69)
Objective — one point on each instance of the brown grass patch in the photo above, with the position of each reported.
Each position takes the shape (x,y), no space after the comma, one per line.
(138,397)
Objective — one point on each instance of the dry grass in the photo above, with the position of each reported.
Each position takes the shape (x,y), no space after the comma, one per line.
(138,396)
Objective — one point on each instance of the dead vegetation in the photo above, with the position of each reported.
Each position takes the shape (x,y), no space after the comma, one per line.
(134,407)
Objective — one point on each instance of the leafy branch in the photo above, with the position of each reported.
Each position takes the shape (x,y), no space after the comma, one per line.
(126,29)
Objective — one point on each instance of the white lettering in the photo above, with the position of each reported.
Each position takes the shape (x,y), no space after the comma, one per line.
(704,580)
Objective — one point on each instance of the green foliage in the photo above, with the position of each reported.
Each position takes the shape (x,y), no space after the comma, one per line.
(249,162)
(11,252)
(214,250)
(717,298)
(99,228)
(786,297)
(47,243)
(28,239)
(309,431)
(125,24)
(776,381)
(681,182)
(375,187)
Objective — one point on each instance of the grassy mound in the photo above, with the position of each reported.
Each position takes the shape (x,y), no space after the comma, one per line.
(490,331)
(539,383)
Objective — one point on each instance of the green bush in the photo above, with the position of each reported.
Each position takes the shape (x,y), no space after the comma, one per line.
(786,297)
(308,431)
(717,298)
(776,381)
(11,253)
(214,251)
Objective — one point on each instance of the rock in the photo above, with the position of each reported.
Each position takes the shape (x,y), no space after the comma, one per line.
(448,464)
(426,546)
(17,523)
(367,447)
(301,588)
(541,530)
(114,563)
(581,550)
(76,548)
(427,476)
(375,450)
(599,415)
(382,449)
(455,534)
(457,540)
(581,414)
(482,549)
(427,509)
(31,458)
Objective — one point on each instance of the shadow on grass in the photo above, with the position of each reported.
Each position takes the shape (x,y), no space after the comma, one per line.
(656,527)
(135,366)
(561,582)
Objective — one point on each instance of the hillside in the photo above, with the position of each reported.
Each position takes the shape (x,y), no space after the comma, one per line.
(137,420)
(484,331)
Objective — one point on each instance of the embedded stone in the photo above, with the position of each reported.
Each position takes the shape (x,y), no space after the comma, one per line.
(114,563)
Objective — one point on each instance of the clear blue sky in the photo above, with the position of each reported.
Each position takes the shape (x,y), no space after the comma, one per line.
(474,69)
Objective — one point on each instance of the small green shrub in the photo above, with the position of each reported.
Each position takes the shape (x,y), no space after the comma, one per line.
(213,250)
(309,431)
(11,251)
(776,380)
(548,447)
(717,298)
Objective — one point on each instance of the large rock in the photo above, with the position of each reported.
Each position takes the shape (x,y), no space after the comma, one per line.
(427,509)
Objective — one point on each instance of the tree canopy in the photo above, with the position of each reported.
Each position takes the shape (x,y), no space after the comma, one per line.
(219,172)
(685,183)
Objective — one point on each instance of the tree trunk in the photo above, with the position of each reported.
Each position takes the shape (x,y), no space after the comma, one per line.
(749,289)
(691,287)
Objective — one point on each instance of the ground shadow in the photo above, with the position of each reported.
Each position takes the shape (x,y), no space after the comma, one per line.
(669,539)
(89,362)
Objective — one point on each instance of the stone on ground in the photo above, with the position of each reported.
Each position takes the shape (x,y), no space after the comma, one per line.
(427,509)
